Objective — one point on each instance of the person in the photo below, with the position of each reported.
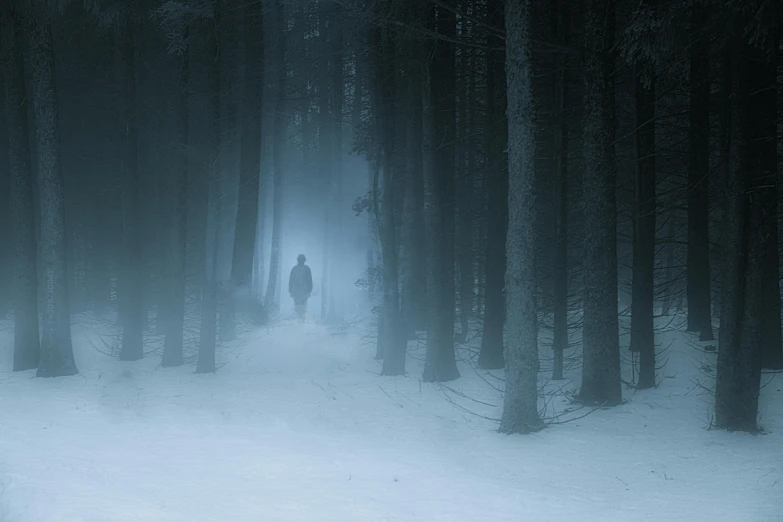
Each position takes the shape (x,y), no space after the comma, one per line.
(300,286)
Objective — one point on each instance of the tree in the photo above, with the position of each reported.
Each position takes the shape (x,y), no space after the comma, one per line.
(601,345)
(698,252)
(26,340)
(520,401)
(751,204)
(642,290)
(440,126)
(491,354)
(132,321)
(272,299)
(56,349)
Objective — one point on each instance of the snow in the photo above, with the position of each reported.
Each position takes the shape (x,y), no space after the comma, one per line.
(298,426)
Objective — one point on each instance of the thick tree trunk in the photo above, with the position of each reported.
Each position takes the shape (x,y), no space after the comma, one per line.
(272,299)
(520,401)
(465,182)
(56,348)
(133,321)
(175,315)
(601,345)
(325,159)
(25,286)
(491,354)
(740,354)
(643,287)
(698,252)
(440,364)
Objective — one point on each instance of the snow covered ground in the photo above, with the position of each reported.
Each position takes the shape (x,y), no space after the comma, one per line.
(298,426)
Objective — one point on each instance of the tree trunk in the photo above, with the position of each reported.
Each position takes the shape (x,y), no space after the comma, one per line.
(56,348)
(175,316)
(464,232)
(325,163)
(740,354)
(560,301)
(601,345)
(133,320)
(643,287)
(209,295)
(440,364)
(491,354)
(698,252)
(394,341)
(26,340)
(272,299)
(520,401)
(250,152)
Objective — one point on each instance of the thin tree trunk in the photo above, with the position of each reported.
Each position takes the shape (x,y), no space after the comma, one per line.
(133,321)
(698,252)
(601,344)
(491,354)
(643,291)
(440,364)
(250,152)
(209,294)
(560,301)
(56,348)
(175,317)
(520,400)
(272,299)
(394,340)
(25,286)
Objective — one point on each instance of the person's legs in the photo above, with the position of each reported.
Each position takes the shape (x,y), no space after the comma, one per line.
(300,306)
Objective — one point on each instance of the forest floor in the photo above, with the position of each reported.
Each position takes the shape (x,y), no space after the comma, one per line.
(297,425)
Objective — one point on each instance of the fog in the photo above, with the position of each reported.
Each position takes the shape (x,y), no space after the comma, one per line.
(359,260)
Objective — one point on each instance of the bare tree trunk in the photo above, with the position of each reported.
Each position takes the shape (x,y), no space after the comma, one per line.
(133,321)
(643,293)
(250,153)
(440,364)
(209,293)
(520,400)
(698,253)
(272,299)
(601,367)
(25,286)
(740,354)
(560,301)
(491,354)
(56,347)
(394,342)
(175,317)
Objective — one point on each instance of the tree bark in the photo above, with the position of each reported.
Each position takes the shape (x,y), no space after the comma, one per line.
(642,286)
(25,286)
(520,401)
(133,321)
(250,152)
(272,299)
(491,354)
(56,348)
(698,251)
(175,317)
(440,363)
(560,290)
(601,345)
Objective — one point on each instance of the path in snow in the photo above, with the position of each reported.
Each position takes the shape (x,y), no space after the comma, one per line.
(296,426)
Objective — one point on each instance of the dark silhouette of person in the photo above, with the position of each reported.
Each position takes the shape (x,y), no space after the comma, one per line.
(300,286)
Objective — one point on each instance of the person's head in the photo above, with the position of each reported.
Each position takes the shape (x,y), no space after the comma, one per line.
(301,259)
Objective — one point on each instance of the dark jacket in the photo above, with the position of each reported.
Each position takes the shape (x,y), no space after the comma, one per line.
(300,282)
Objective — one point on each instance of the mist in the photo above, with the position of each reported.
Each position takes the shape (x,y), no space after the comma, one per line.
(358,260)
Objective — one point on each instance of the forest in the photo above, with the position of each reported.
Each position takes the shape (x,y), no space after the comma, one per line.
(542,194)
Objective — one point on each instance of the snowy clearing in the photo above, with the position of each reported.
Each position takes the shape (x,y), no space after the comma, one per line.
(297,426)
